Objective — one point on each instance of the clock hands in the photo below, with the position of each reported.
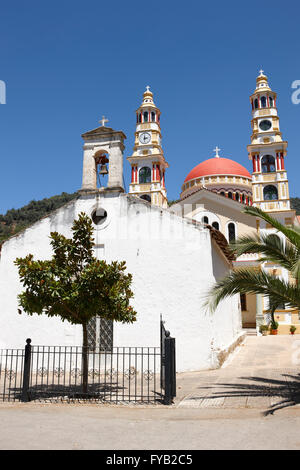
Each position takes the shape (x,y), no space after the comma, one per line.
(145,138)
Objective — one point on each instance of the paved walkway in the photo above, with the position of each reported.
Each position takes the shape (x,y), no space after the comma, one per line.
(264,373)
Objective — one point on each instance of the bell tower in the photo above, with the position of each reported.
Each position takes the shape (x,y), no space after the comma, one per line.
(148,164)
(267,151)
(103,146)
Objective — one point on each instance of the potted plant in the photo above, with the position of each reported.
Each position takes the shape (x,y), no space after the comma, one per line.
(292,329)
(263,329)
(274,327)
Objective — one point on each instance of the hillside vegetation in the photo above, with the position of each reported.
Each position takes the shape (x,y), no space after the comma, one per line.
(295,204)
(16,220)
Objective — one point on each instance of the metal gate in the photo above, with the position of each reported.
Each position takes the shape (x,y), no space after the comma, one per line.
(167,364)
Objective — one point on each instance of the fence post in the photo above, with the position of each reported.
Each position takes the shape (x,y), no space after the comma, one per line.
(173,367)
(170,370)
(26,371)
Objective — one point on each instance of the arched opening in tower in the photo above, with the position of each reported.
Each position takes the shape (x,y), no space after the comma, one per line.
(101,168)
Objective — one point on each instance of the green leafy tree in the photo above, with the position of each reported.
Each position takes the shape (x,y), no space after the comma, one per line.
(74,285)
(281,251)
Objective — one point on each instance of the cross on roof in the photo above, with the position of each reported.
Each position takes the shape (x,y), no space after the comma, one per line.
(103,121)
(261,72)
(217,152)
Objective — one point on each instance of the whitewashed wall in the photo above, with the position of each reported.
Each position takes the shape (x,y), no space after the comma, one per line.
(173,264)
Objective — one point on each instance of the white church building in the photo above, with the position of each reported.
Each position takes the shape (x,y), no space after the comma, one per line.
(173,257)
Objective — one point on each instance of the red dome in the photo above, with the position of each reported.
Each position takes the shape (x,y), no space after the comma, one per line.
(217,166)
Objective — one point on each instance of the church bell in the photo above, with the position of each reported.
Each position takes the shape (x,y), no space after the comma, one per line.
(103,169)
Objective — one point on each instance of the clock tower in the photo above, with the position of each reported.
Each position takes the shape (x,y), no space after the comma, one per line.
(267,151)
(148,164)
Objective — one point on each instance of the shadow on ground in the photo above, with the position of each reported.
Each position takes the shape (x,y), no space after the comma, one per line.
(112,392)
(287,389)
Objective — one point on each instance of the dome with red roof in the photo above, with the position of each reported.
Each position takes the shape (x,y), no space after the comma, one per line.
(220,175)
(217,166)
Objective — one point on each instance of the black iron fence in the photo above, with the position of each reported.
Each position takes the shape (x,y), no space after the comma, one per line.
(120,374)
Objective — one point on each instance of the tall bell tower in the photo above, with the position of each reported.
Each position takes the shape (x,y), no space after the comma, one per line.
(267,151)
(148,164)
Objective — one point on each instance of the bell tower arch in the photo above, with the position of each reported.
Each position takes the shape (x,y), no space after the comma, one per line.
(103,147)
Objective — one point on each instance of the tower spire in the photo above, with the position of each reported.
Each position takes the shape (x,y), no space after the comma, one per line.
(147,161)
(267,150)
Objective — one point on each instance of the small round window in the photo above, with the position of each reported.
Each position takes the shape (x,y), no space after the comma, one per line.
(265,125)
(99,216)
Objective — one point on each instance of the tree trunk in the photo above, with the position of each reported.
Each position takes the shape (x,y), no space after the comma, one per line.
(85,359)
(272,316)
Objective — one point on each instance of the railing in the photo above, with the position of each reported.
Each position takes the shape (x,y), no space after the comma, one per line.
(11,374)
(55,373)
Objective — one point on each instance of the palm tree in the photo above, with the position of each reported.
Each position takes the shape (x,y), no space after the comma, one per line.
(283,251)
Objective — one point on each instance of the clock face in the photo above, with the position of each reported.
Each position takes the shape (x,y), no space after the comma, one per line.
(265,125)
(145,138)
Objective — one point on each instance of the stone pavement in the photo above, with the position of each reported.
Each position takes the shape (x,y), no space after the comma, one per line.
(262,373)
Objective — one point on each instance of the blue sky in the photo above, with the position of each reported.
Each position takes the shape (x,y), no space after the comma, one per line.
(67,63)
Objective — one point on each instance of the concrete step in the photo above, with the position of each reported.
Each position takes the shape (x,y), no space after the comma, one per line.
(250,331)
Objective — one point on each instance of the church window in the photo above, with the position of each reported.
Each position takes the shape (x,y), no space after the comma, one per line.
(100,334)
(99,216)
(153,116)
(270,101)
(263,101)
(222,193)
(140,117)
(268,164)
(146,116)
(145,175)
(270,193)
(146,197)
(216,225)
(230,195)
(256,103)
(243,302)
(231,232)
(265,125)
(205,220)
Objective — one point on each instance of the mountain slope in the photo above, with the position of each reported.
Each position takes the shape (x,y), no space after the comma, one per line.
(16,220)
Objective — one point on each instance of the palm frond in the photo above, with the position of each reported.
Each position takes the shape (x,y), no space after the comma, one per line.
(292,234)
(269,246)
(247,281)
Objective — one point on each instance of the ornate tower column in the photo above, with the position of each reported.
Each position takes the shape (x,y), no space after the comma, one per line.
(148,164)
(269,185)
(267,151)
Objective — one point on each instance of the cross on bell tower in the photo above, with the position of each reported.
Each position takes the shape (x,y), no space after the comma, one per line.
(103,121)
